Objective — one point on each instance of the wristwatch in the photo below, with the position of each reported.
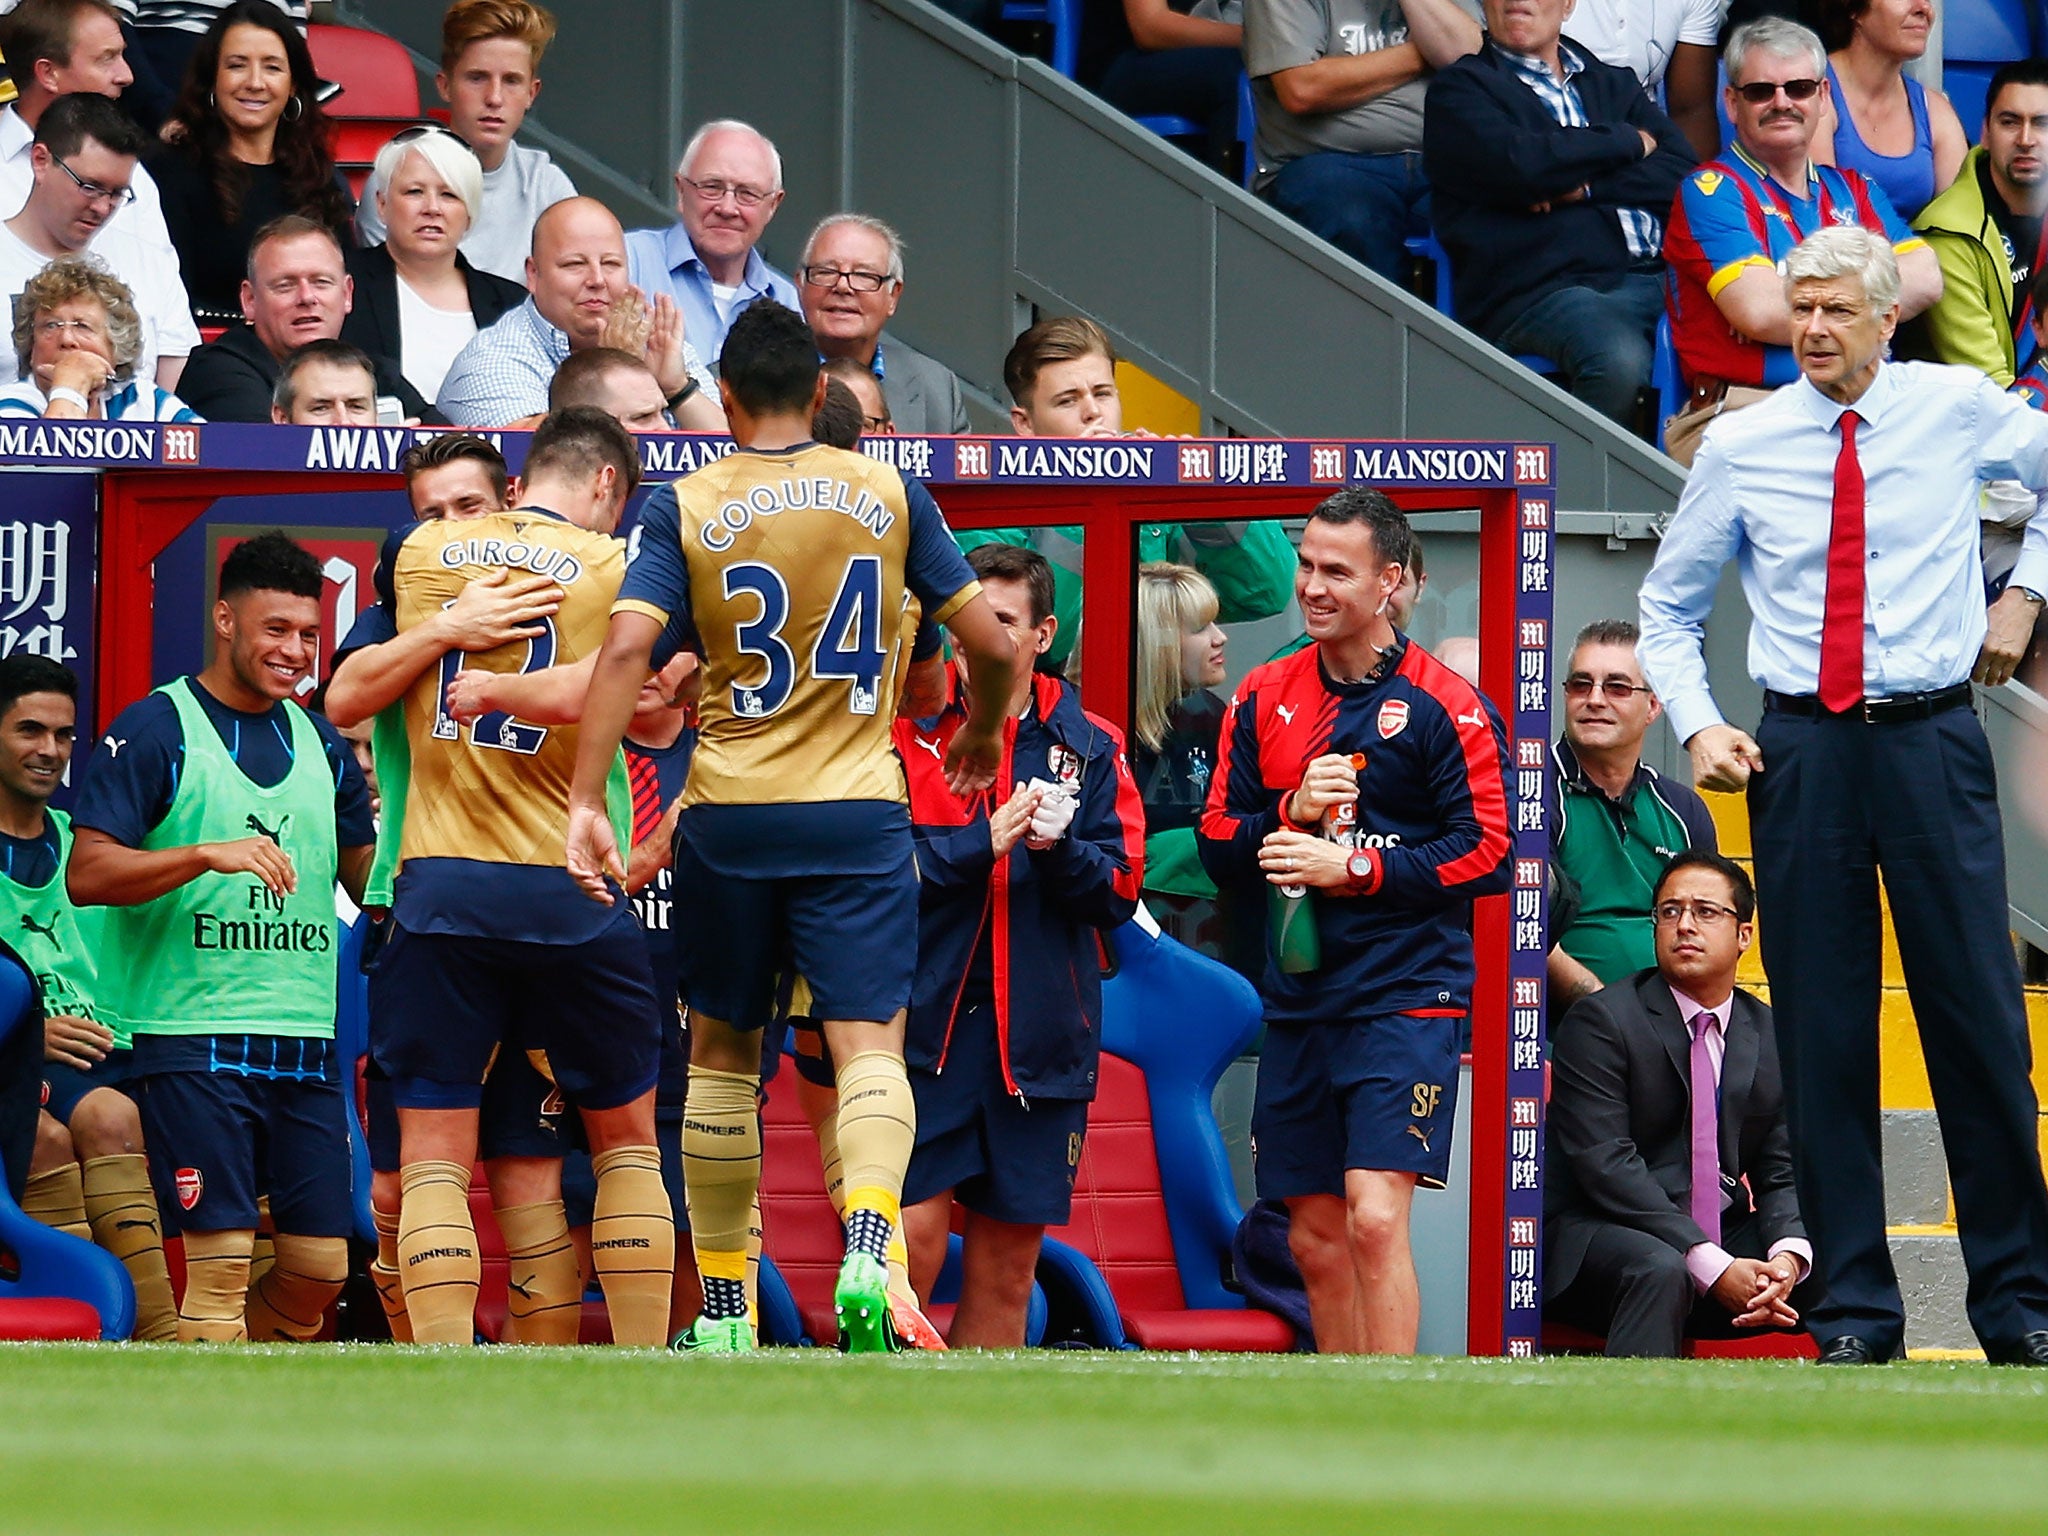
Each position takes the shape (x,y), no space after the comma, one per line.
(688,389)
(2032,596)
(1359,867)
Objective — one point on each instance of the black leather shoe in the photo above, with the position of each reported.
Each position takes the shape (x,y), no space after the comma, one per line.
(1848,1349)
(2032,1349)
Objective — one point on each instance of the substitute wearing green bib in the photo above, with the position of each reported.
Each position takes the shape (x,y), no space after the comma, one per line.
(215,819)
(55,938)
(225,954)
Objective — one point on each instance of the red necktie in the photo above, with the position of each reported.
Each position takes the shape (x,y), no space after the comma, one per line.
(1841,628)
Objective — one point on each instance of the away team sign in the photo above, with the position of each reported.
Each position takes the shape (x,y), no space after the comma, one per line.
(939,460)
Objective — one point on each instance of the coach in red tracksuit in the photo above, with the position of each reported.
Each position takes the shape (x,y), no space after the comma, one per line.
(1017,886)
(1365,777)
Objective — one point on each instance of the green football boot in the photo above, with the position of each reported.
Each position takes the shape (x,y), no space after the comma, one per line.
(861,1299)
(715,1336)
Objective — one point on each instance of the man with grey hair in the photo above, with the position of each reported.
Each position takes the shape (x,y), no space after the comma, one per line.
(728,186)
(850,283)
(1849,502)
(1737,217)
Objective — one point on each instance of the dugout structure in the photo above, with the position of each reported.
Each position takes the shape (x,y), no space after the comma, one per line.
(107,561)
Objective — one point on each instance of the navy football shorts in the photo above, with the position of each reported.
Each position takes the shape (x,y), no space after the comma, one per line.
(1380,1094)
(852,937)
(444,1005)
(64,1085)
(229,1117)
(521,1116)
(1001,1160)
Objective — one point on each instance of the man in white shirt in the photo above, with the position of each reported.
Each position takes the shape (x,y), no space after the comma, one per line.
(84,164)
(728,186)
(1849,501)
(490,62)
(1670,47)
(55,48)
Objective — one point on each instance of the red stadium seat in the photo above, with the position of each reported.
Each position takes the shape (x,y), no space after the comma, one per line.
(1120,1222)
(374,71)
(800,1230)
(47,1317)
(1562,1339)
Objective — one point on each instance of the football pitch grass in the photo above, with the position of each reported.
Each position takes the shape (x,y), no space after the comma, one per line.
(368,1439)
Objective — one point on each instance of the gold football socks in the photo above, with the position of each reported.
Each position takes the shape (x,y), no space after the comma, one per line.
(290,1301)
(721,1177)
(216,1286)
(633,1243)
(437,1252)
(121,1208)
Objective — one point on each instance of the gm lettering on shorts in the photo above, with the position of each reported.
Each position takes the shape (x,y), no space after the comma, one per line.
(800,493)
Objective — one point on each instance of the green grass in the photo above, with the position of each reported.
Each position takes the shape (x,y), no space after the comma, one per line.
(368,1439)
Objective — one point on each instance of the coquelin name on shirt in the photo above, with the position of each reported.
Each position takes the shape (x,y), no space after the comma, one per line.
(808,493)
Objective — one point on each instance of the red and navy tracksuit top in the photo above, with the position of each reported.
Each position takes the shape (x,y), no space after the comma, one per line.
(1042,912)
(1432,817)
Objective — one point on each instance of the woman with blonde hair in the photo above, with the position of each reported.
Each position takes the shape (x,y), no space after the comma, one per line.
(79,338)
(1177,726)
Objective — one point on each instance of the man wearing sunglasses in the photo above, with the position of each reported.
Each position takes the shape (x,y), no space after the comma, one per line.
(1615,822)
(1736,219)
(84,162)
(1669,1211)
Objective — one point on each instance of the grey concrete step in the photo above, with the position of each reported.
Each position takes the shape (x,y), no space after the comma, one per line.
(1915,1170)
(1933,1283)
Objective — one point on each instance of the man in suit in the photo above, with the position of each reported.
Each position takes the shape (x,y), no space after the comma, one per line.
(1551,175)
(1660,1223)
(850,283)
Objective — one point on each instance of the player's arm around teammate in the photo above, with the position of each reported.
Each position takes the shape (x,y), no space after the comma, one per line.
(1015,888)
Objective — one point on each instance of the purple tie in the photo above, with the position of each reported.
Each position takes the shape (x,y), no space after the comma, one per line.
(1706,1133)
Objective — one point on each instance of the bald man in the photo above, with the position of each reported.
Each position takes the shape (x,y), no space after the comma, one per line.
(577,296)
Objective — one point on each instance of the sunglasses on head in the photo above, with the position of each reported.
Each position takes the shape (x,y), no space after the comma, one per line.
(1757,92)
(427,131)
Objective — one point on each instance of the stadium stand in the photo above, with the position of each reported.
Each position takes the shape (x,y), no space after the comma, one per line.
(52,1285)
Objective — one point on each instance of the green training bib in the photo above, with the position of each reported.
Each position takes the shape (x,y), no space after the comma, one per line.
(56,939)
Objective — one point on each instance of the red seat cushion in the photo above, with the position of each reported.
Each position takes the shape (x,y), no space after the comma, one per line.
(1559,1338)
(1248,1332)
(47,1317)
(1119,1217)
(374,71)
(800,1230)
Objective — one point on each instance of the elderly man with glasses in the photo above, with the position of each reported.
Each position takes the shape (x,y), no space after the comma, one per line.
(849,286)
(1669,1211)
(728,186)
(1736,219)
(1615,822)
(83,165)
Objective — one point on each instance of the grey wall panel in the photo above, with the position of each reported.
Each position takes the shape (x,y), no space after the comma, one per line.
(1337,370)
(777,64)
(932,154)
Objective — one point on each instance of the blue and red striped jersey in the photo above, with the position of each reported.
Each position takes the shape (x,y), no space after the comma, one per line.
(1432,815)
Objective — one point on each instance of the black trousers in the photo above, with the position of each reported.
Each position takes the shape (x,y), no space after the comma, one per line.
(1636,1291)
(1839,802)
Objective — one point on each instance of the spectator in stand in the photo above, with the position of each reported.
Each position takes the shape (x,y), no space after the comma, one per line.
(850,283)
(250,146)
(1988,234)
(1736,220)
(1552,175)
(1061,374)
(1615,822)
(1014,888)
(1153,58)
(168,32)
(837,421)
(1670,1212)
(55,48)
(1338,87)
(326,384)
(617,383)
(85,160)
(490,62)
(79,342)
(2032,384)
(1899,133)
(1669,45)
(577,297)
(728,186)
(866,390)
(417,297)
(297,290)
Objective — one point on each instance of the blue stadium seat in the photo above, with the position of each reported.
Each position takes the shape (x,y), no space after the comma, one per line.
(782,1322)
(1155,1206)
(1976,37)
(1062,18)
(351,1046)
(51,1284)
(1247,129)
(1666,377)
